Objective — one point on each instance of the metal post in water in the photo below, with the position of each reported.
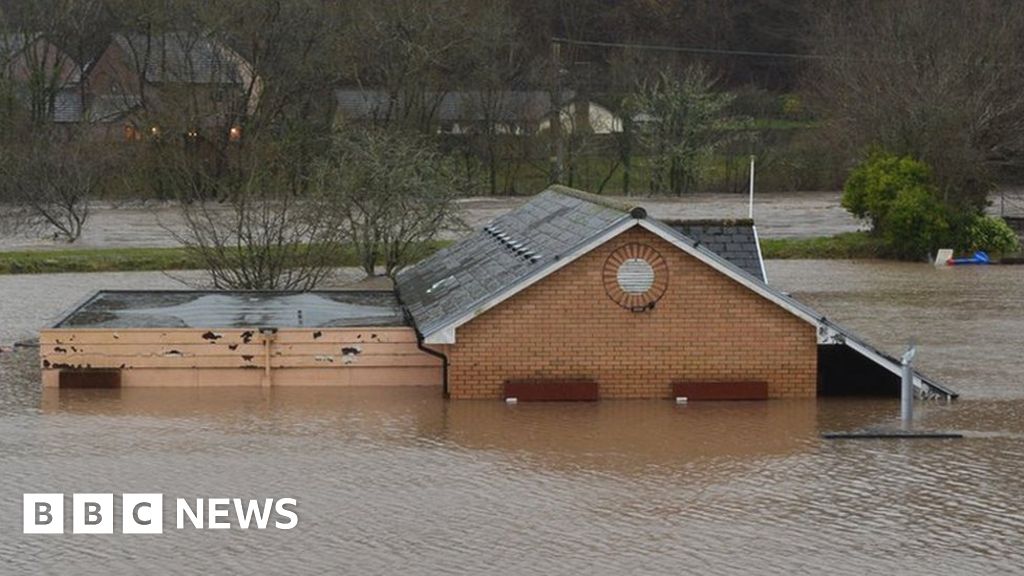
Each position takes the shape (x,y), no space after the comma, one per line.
(907,388)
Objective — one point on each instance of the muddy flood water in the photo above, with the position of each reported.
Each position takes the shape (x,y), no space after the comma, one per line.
(402,482)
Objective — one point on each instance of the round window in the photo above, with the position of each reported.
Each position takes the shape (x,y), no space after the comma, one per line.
(635,276)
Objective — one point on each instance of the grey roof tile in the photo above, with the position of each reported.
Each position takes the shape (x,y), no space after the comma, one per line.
(466,274)
(733,240)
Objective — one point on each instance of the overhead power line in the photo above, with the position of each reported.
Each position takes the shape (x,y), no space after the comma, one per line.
(693,50)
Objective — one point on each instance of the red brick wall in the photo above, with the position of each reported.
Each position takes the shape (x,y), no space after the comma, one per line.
(705,327)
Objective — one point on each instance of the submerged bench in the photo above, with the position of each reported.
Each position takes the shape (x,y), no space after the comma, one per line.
(551,390)
(735,390)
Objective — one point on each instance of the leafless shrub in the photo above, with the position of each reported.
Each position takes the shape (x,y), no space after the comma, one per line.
(48,184)
(259,234)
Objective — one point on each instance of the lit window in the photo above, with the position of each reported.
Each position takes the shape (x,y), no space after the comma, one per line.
(235,133)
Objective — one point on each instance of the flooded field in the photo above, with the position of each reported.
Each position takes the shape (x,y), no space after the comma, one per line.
(778,215)
(401,482)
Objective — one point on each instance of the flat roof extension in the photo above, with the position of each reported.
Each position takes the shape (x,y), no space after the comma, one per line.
(219,309)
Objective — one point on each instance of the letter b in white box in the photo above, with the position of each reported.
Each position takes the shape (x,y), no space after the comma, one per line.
(142,513)
(92,513)
(43,514)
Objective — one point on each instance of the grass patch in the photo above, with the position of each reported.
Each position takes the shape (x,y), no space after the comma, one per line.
(849,245)
(126,260)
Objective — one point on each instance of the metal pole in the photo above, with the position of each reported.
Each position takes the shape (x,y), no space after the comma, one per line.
(558,165)
(751,210)
(907,388)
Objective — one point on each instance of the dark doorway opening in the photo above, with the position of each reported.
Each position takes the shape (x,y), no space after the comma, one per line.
(842,371)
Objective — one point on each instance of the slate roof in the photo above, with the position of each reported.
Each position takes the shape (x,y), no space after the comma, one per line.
(524,241)
(734,240)
(182,57)
(510,249)
(523,244)
(508,105)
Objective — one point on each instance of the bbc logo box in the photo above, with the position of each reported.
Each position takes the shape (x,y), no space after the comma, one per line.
(93,513)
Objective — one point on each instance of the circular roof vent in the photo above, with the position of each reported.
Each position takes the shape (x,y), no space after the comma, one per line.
(635,276)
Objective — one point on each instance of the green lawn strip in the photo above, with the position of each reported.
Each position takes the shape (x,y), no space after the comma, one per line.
(124,260)
(849,245)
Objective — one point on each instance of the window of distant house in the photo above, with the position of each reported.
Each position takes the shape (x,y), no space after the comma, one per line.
(131,133)
(235,134)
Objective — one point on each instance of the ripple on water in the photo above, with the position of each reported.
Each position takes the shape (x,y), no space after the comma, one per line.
(399,481)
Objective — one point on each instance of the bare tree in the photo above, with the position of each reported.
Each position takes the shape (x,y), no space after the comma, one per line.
(260,234)
(939,80)
(48,183)
(410,51)
(394,192)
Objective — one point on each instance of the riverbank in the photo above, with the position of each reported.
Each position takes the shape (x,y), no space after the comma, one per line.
(846,246)
(127,260)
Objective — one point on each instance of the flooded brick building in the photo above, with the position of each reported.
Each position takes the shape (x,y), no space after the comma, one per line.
(568,297)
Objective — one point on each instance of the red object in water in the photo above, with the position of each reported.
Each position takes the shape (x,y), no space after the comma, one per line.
(540,390)
(720,390)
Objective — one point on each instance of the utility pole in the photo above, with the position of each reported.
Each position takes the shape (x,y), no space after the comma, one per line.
(557,145)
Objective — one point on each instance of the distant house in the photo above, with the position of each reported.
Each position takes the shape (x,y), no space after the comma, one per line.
(177,81)
(458,112)
(586,116)
(43,77)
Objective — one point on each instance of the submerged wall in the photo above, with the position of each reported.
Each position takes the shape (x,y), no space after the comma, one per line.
(705,327)
(239,356)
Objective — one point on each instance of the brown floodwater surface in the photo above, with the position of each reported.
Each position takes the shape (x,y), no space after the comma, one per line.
(399,481)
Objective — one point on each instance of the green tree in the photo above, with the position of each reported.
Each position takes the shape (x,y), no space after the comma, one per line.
(686,122)
(897,196)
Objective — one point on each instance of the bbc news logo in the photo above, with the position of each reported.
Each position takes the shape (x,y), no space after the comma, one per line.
(144,513)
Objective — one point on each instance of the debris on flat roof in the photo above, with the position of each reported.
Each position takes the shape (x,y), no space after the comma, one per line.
(200,309)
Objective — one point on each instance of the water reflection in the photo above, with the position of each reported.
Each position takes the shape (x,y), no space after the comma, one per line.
(401,482)
(620,435)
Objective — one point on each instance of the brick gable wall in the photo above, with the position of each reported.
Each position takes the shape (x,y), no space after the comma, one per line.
(705,327)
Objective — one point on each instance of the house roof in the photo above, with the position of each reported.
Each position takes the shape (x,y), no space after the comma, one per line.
(734,240)
(557,226)
(461,106)
(182,57)
(509,249)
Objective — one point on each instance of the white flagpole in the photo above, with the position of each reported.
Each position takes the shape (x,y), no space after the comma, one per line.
(751,211)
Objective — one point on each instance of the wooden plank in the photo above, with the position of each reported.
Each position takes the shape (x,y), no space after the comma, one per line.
(229,377)
(62,336)
(76,361)
(737,390)
(56,351)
